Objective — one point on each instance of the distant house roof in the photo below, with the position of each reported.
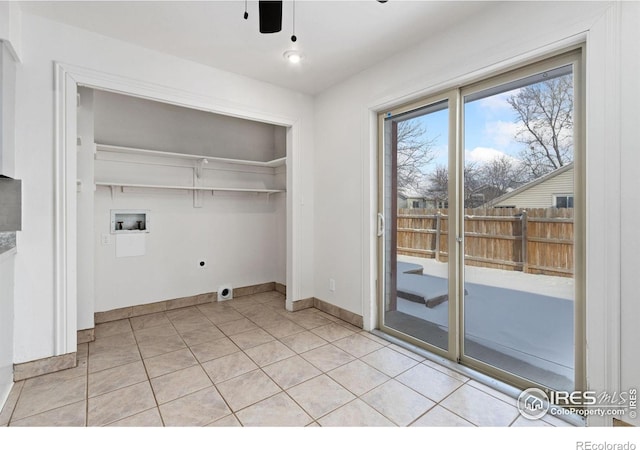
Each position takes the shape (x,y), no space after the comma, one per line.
(531,184)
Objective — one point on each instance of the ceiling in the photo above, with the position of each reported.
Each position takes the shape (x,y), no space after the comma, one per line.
(337,38)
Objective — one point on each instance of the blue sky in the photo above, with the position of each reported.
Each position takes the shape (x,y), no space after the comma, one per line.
(489,130)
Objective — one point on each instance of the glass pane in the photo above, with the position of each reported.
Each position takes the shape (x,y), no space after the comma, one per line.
(416,198)
(518,194)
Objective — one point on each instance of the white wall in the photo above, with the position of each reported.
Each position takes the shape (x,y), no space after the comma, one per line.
(44,42)
(11,26)
(6,323)
(235,234)
(7,108)
(134,122)
(85,233)
(630,199)
(345,203)
(346,156)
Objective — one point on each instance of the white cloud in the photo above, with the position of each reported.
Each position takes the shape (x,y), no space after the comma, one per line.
(483,155)
(497,103)
(502,133)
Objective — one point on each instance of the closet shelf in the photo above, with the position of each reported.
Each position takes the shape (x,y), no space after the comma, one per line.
(138,151)
(189,188)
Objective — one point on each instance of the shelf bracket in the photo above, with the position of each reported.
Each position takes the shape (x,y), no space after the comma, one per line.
(200,167)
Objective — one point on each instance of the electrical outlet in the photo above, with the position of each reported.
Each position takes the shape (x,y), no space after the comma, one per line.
(105,239)
(332,285)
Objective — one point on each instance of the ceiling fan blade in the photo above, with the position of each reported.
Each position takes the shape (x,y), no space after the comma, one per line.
(270,16)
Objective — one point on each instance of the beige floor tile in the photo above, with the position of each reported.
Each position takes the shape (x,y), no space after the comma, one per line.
(47,396)
(214,349)
(73,415)
(79,371)
(112,341)
(111,328)
(303,342)
(332,332)
(291,371)
(227,367)
(441,417)
(158,319)
(191,323)
(153,333)
(166,344)
(494,393)
(247,389)
(389,361)
(251,338)
(10,403)
(429,382)
(227,421)
(269,353)
(355,414)
(219,317)
(180,383)
(479,407)
(116,378)
(374,338)
(169,362)
(406,352)
(320,395)
(327,357)
(237,326)
(446,370)
(556,421)
(148,418)
(357,345)
(311,321)
(200,335)
(267,318)
(183,313)
(113,357)
(283,328)
(521,421)
(358,377)
(397,402)
(116,405)
(276,411)
(197,409)
(82,351)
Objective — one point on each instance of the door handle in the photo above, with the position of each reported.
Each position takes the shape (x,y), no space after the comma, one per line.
(380,224)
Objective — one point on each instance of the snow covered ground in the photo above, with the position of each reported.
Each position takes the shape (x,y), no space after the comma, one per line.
(517,321)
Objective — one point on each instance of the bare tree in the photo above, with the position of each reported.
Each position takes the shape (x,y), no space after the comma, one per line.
(545,110)
(414,153)
(438,183)
(502,173)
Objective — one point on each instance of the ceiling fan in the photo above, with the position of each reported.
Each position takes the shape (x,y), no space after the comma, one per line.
(270,13)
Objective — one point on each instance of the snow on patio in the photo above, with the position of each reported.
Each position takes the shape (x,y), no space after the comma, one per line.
(519,322)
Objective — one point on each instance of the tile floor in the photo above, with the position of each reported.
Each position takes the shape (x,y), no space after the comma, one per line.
(249,362)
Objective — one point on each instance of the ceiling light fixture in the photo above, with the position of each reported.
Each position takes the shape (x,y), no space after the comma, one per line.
(293,56)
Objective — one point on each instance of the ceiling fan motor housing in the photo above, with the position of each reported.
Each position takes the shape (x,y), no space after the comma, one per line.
(270,16)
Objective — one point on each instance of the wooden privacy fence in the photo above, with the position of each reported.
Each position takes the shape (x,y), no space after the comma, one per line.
(529,240)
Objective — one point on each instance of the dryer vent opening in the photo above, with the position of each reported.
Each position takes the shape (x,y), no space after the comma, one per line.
(225,292)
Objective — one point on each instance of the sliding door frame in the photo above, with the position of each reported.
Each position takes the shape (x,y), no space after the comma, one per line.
(455,97)
(451,97)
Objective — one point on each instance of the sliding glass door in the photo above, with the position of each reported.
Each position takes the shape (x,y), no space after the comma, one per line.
(481,226)
(416,229)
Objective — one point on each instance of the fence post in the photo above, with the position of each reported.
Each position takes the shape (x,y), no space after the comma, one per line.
(525,257)
(438,215)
